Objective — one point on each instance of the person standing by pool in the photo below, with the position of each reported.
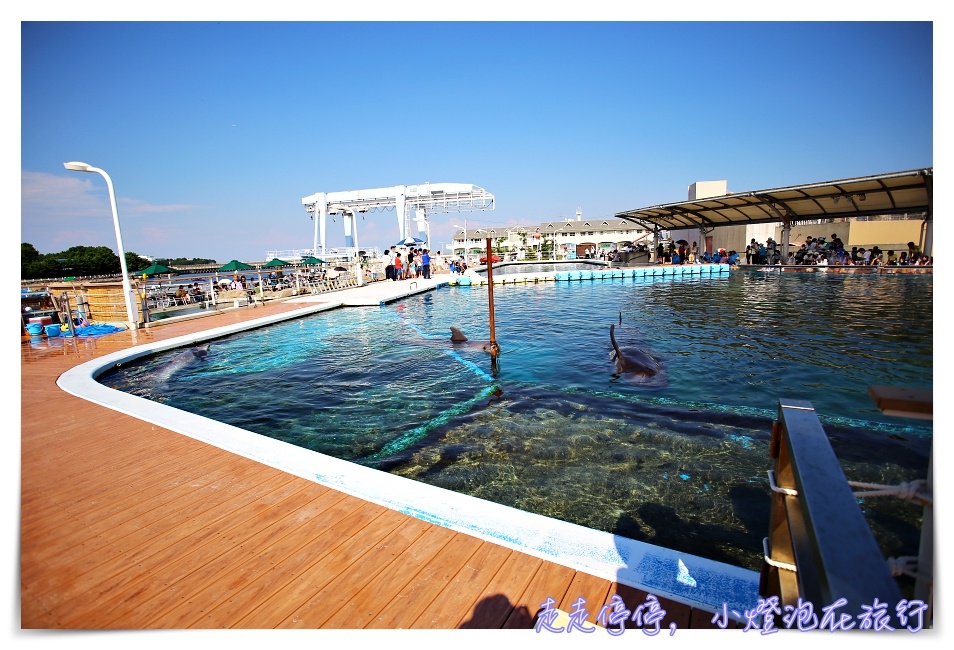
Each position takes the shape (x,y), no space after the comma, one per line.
(397,266)
(426,264)
(389,264)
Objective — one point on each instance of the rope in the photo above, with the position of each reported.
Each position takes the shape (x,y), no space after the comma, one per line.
(909,491)
(775,563)
(907,565)
(776,488)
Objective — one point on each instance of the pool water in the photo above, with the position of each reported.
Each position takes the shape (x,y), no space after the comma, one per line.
(680,461)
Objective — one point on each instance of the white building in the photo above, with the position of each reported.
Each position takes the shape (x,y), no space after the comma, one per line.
(572,238)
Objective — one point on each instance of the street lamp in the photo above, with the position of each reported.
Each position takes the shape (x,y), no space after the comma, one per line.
(127,287)
(465,238)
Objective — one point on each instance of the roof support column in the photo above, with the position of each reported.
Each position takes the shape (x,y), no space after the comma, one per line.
(928,245)
(786,237)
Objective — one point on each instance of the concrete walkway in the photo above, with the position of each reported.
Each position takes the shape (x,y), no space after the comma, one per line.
(375,293)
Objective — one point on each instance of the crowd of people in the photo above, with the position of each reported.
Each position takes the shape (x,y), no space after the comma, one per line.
(819,251)
(814,251)
(414,263)
(682,252)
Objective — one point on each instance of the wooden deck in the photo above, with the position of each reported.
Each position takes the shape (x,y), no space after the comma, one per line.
(126,525)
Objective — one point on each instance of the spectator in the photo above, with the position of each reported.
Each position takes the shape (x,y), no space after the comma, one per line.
(426,264)
(914,253)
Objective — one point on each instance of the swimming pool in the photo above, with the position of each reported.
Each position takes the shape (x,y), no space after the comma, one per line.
(553,431)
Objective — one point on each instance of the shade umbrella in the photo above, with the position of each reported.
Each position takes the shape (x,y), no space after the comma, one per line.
(273,263)
(312,261)
(235,265)
(155,269)
(410,241)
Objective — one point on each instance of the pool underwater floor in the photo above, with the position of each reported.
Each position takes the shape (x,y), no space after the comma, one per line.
(127,525)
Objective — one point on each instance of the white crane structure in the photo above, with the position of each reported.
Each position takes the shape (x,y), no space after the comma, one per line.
(418,201)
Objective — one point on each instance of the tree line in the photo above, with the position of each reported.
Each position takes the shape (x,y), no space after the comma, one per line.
(85,261)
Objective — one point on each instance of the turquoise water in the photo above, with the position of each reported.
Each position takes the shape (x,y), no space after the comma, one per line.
(679,461)
(511,268)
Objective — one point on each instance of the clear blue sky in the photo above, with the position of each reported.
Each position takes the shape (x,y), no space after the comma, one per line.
(213,132)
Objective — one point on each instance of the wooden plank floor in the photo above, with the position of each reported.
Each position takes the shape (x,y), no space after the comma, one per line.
(128,525)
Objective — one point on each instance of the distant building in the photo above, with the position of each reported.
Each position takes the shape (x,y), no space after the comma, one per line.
(572,238)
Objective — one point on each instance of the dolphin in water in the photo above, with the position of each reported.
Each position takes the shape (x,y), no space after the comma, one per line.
(459,340)
(635,362)
(181,360)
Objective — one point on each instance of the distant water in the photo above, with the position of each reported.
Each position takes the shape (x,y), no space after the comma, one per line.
(552,430)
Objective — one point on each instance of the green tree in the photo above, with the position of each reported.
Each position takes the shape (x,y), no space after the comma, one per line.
(184,261)
(135,263)
(33,265)
(28,254)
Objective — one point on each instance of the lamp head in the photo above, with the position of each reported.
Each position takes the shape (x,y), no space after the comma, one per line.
(78,166)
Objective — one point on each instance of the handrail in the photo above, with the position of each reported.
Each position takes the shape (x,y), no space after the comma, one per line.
(816,525)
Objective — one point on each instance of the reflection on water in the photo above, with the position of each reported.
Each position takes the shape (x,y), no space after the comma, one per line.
(512,268)
(552,430)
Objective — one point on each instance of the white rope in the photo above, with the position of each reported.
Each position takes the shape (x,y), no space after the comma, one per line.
(775,563)
(907,565)
(776,488)
(909,491)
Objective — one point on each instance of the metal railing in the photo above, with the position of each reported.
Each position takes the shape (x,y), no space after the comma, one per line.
(820,548)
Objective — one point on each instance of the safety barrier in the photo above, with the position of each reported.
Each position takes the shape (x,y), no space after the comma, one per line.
(820,552)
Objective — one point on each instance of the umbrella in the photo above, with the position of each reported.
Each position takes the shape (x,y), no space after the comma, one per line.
(410,241)
(155,269)
(312,261)
(682,241)
(274,263)
(235,265)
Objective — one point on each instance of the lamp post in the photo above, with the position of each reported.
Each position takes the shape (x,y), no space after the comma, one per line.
(127,287)
(465,239)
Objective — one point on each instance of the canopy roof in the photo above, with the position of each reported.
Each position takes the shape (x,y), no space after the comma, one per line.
(235,265)
(899,192)
(155,269)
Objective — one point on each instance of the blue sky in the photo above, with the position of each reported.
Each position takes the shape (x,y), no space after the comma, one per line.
(213,132)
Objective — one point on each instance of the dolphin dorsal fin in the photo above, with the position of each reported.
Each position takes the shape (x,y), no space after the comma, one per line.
(457,336)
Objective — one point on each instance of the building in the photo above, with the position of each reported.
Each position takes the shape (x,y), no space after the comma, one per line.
(572,238)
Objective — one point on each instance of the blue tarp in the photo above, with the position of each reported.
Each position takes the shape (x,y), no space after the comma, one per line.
(94,330)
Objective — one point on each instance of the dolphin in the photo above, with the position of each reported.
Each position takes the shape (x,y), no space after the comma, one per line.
(635,362)
(461,341)
(181,360)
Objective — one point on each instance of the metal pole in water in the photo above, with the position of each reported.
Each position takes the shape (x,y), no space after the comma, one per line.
(494,348)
